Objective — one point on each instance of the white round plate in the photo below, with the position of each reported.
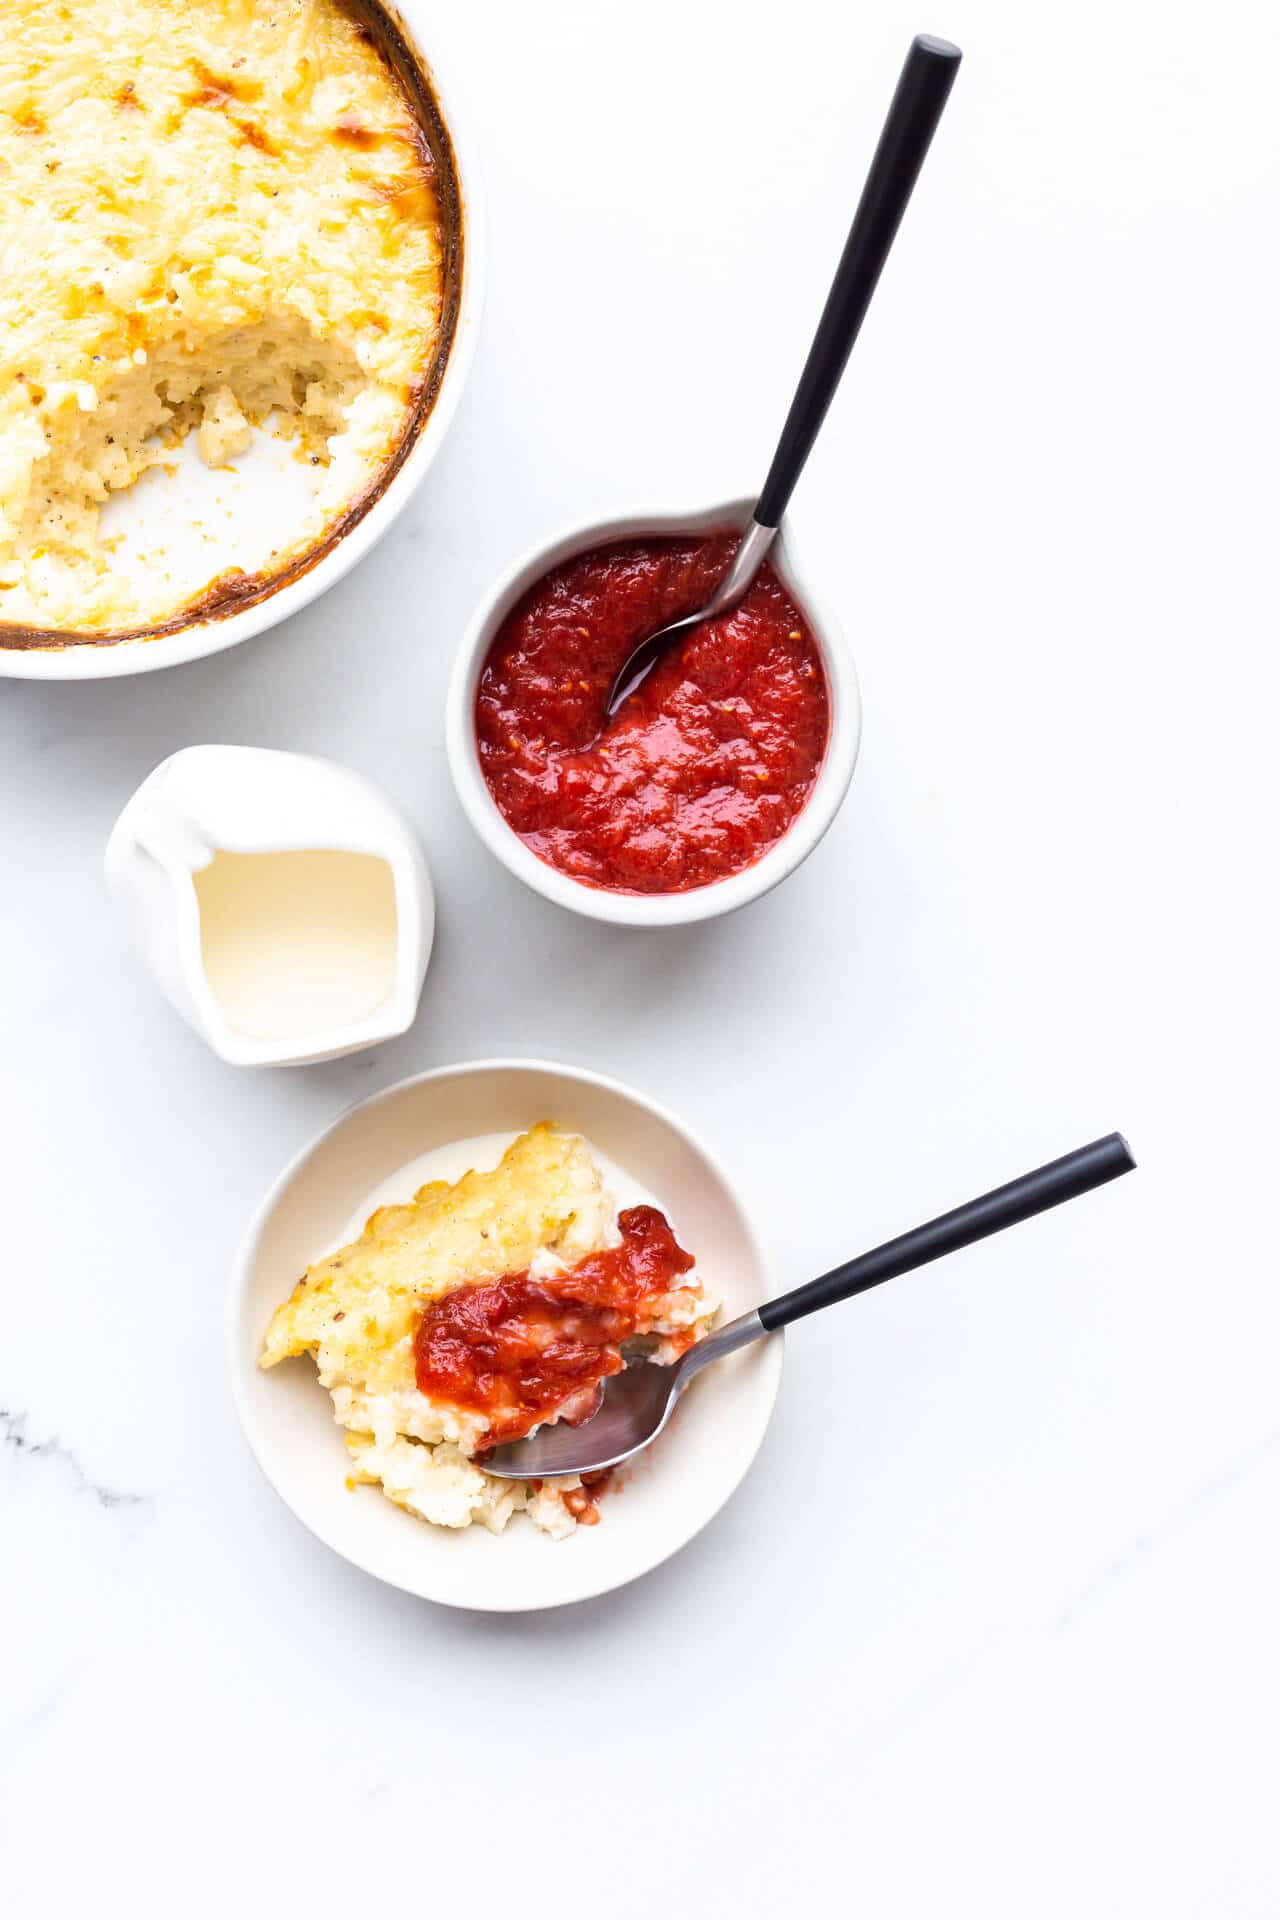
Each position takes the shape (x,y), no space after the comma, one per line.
(666,1497)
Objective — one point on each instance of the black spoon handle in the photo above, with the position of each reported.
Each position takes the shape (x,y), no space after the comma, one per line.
(926,81)
(1064,1179)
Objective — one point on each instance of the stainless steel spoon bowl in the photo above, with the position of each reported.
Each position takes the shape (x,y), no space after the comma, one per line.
(638,1403)
(636,1406)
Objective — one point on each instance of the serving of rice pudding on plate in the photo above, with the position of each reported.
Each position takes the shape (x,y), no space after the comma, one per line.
(221,216)
(484,1307)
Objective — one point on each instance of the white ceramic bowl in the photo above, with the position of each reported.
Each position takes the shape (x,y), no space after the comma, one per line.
(669,1495)
(102,661)
(699,903)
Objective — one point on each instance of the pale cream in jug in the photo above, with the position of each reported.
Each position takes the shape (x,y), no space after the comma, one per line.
(298,942)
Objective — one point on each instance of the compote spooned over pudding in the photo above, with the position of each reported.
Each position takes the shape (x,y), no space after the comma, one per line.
(480,1310)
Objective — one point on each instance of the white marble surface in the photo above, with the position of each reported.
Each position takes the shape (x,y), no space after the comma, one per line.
(991,1628)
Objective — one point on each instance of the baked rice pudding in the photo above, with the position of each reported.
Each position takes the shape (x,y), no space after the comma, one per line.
(480,1310)
(220,216)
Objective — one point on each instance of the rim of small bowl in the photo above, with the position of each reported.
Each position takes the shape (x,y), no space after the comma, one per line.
(770,1350)
(699,903)
(91,660)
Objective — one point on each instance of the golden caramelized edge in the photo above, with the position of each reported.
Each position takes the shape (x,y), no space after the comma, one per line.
(234,591)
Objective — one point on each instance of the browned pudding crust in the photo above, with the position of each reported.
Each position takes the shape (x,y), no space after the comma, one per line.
(231,592)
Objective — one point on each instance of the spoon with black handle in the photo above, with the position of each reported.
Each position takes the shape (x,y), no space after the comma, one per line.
(637,1403)
(925,82)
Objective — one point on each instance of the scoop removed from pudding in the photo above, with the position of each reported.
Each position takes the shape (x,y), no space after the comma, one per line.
(219,217)
(480,1310)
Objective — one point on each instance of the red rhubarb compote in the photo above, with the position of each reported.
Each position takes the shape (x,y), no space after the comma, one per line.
(520,1350)
(705,766)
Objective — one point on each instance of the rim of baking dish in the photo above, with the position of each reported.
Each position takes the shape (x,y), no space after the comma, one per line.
(91,659)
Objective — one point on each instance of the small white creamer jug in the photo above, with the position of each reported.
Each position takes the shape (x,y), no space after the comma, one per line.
(282,903)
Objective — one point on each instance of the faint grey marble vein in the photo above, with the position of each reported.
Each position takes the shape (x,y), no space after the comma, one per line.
(1184,1513)
(13,1437)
